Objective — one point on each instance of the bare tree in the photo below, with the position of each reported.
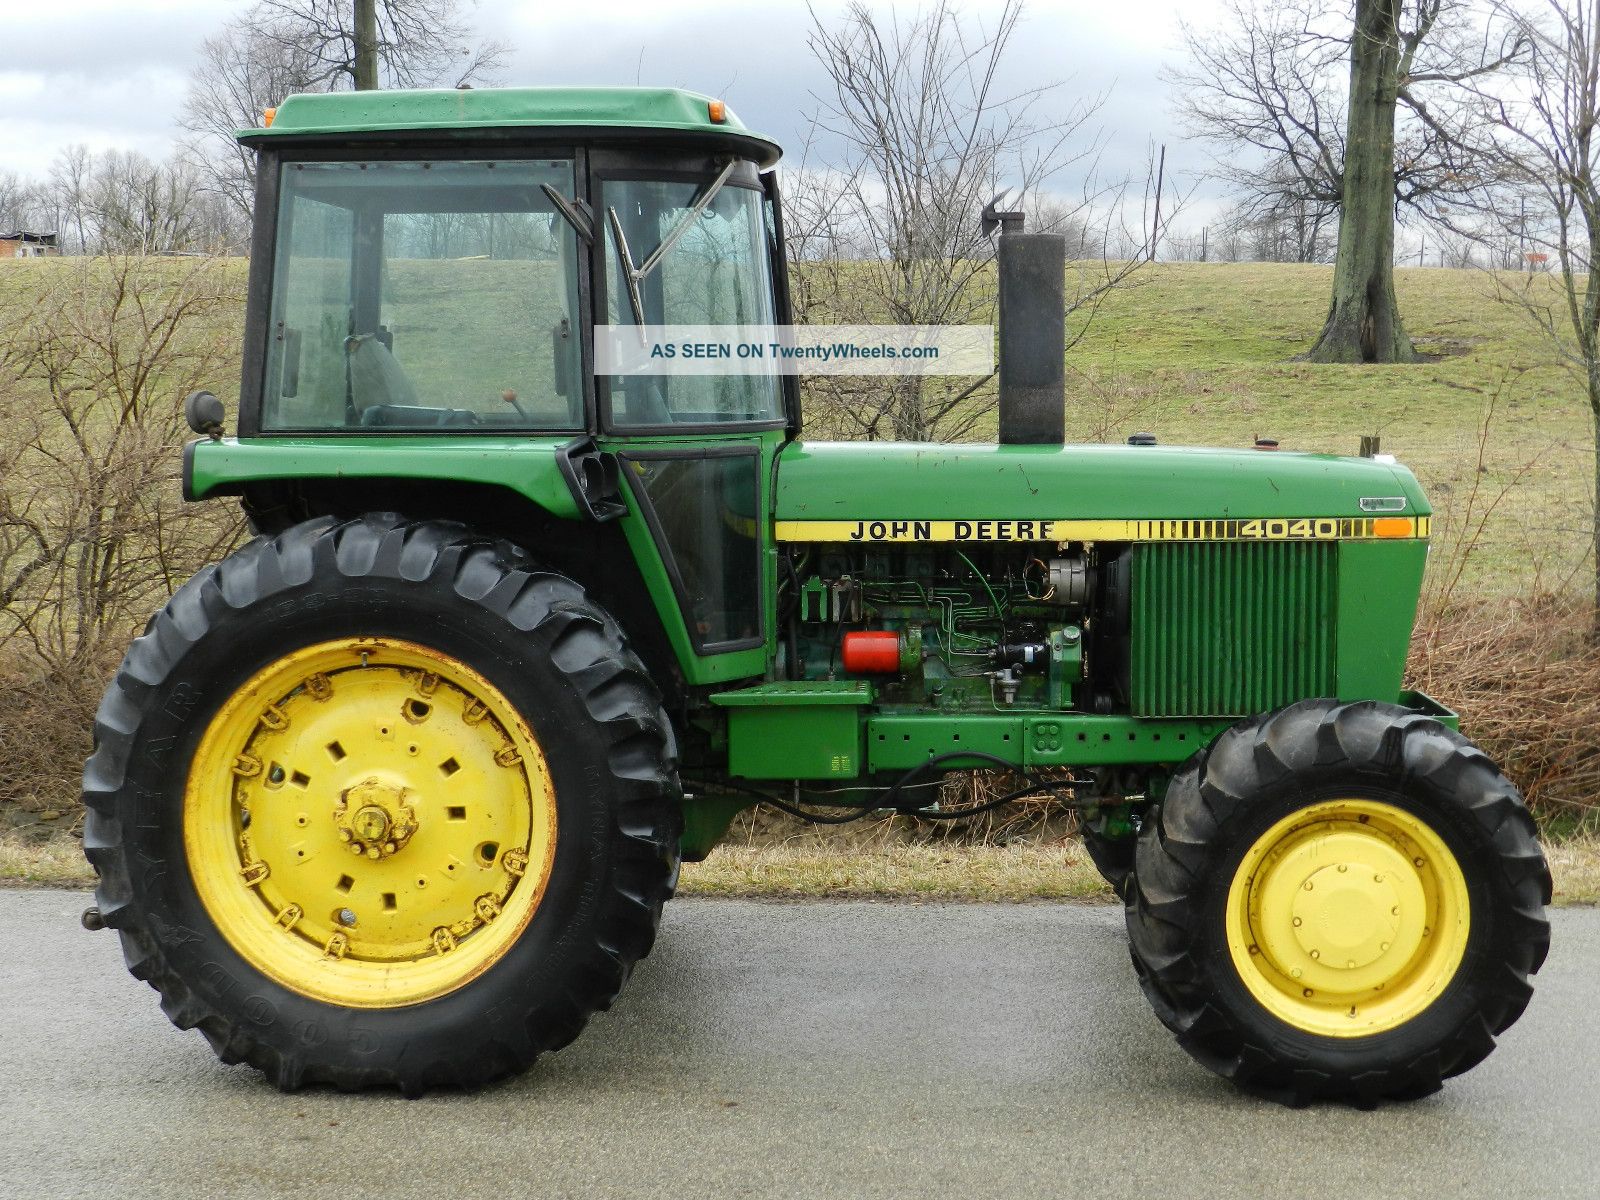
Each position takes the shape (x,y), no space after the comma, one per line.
(92,531)
(1546,134)
(890,231)
(19,202)
(420,43)
(136,205)
(1261,88)
(279,47)
(1314,114)
(243,71)
(69,182)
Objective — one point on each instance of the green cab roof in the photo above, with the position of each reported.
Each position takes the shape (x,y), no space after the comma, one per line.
(585,112)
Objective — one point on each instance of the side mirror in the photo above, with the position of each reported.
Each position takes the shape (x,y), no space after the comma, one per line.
(204,414)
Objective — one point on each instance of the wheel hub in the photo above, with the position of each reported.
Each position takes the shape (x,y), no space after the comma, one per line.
(376,818)
(1346,917)
(384,825)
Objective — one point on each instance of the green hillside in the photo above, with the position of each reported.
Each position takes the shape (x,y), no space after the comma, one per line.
(1498,433)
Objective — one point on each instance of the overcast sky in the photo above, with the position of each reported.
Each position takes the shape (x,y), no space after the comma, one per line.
(112,73)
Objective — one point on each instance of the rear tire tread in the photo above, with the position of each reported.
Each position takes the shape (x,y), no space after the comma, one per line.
(586,645)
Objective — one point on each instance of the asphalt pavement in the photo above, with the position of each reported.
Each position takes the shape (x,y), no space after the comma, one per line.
(792,1050)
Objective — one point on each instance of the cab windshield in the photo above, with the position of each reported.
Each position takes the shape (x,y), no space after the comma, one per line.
(705,262)
(424,294)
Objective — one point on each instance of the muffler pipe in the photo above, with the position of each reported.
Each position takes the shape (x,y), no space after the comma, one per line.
(1033,338)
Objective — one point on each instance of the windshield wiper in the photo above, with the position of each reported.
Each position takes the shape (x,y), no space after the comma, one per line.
(636,274)
(575,211)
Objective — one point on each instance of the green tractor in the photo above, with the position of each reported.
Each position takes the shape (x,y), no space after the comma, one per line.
(394,795)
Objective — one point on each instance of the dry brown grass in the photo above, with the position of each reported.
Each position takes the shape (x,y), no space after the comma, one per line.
(58,862)
(1052,871)
(815,868)
(1525,676)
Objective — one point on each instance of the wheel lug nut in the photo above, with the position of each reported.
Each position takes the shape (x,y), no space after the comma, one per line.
(1298,922)
(1316,954)
(1343,868)
(346,916)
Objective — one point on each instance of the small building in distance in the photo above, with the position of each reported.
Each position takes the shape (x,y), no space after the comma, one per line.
(23,244)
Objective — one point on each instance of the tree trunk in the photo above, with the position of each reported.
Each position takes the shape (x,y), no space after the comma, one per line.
(1364,319)
(366,38)
(1594,409)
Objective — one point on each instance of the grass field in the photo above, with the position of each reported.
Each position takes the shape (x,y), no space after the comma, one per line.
(1204,354)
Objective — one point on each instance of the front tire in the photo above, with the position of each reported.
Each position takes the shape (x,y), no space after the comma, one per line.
(378,803)
(1339,902)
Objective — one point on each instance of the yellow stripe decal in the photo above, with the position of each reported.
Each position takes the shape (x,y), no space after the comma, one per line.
(1272,529)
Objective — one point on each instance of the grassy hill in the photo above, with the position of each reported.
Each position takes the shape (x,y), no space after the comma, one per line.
(1498,432)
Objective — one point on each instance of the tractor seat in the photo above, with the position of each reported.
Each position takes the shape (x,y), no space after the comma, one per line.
(414,416)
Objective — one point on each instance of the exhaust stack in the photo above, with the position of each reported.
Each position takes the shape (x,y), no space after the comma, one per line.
(1033,318)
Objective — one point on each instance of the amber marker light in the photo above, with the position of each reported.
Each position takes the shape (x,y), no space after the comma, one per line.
(1392,527)
(267,115)
(718,111)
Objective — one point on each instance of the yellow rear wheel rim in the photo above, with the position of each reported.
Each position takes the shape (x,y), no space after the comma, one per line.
(369,822)
(1348,918)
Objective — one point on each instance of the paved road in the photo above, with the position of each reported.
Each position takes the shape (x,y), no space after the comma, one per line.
(784,1050)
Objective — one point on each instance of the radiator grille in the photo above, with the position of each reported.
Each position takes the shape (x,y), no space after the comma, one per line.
(1230,628)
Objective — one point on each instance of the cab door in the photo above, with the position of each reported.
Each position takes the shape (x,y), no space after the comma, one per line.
(686,239)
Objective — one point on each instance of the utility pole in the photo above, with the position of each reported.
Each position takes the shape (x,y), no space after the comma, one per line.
(366,36)
(1522,233)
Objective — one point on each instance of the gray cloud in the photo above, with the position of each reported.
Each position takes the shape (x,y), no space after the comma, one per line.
(109,74)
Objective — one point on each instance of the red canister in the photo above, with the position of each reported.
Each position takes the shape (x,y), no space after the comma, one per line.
(872,652)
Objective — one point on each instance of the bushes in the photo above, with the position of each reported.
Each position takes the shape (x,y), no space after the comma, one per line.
(1524,673)
(95,358)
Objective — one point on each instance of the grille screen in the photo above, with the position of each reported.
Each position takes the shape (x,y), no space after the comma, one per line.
(1231,628)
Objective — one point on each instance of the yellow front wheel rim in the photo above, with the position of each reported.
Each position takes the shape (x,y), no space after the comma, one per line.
(1348,918)
(369,822)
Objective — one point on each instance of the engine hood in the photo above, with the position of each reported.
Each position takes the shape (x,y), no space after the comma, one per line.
(837,491)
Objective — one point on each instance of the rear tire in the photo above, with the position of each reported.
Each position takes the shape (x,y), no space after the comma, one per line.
(598,755)
(1373,804)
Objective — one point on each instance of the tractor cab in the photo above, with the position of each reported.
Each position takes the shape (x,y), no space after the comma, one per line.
(438,260)
(428,272)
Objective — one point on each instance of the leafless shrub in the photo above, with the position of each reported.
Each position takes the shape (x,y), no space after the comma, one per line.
(93,531)
(889,232)
(1525,677)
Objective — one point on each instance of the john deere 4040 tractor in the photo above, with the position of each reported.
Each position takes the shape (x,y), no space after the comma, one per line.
(394,794)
